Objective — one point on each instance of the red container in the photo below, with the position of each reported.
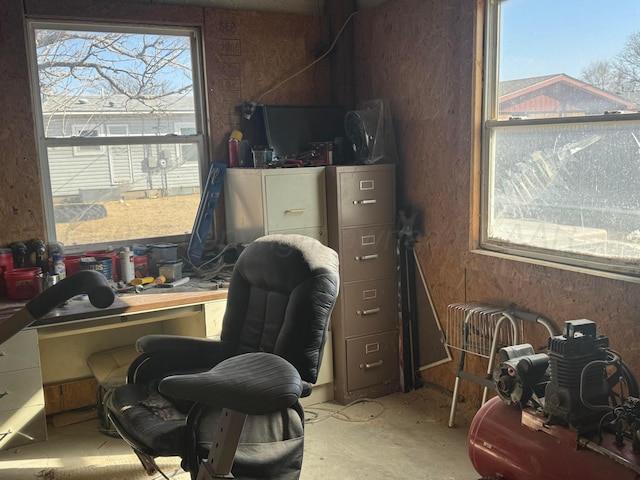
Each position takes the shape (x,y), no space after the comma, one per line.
(114,259)
(141,266)
(6,265)
(23,283)
(72,263)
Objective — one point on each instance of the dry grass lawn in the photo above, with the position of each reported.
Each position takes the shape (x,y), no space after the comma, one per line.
(135,218)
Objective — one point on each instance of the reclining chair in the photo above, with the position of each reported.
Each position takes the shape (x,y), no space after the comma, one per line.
(230,408)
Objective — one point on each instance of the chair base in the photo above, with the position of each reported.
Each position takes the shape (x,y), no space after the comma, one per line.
(224,446)
(148,462)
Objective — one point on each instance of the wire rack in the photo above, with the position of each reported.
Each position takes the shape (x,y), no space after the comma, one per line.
(475,328)
(482,330)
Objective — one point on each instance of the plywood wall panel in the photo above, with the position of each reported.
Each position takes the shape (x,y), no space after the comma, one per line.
(249,54)
(246,54)
(116,11)
(21,214)
(421,55)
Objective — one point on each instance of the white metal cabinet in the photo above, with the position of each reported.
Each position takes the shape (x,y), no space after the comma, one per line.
(282,200)
(22,414)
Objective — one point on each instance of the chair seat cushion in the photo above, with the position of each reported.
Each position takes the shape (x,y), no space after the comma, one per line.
(140,408)
(110,367)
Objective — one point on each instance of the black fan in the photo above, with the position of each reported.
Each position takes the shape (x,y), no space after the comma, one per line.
(371,134)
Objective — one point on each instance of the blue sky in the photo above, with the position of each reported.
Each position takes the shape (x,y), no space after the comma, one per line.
(542,37)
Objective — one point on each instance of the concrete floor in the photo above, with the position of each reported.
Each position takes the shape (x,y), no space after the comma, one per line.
(398,436)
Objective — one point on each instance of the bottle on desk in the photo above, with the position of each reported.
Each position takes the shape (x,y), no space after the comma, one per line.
(127,266)
(58,267)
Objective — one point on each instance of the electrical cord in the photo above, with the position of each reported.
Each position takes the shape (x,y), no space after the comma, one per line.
(613,360)
(213,266)
(341,413)
(335,40)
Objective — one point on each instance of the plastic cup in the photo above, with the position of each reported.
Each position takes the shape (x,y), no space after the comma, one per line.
(262,157)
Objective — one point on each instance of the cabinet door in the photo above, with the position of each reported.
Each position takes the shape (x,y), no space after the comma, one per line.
(367,252)
(20,351)
(367,197)
(21,388)
(22,427)
(295,201)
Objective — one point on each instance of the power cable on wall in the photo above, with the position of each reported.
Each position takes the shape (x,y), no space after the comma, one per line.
(333,44)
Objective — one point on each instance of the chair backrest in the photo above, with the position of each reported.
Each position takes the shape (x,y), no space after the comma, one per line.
(282,291)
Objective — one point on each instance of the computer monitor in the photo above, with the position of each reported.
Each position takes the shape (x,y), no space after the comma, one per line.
(289,129)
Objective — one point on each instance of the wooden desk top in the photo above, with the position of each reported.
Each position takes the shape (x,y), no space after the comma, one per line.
(79,308)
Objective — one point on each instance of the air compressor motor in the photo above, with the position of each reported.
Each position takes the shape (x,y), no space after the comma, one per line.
(574,384)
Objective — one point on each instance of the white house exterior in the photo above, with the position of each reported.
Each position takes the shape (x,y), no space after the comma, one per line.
(109,170)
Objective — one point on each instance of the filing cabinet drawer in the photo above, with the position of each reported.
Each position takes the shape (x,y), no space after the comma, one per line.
(367,252)
(366,197)
(370,307)
(20,388)
(20,352)
(372,360)
(22,427)
(303,204)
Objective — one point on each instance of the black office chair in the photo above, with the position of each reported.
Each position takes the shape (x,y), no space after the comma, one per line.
(231,406)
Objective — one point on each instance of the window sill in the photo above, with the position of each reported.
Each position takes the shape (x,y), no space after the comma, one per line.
(628,278)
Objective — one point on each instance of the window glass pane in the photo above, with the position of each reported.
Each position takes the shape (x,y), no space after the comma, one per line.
(560,58)
(107,93)
(568,188)
(558,183)
(129,192)
(108,77)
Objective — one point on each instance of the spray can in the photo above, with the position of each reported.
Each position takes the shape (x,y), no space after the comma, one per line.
(234,148)
(127,267)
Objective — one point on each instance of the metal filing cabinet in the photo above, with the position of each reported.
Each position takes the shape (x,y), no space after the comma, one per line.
(279,200)
(361,219)
(22,414)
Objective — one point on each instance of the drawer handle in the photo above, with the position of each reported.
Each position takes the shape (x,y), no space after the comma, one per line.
(368,366)
(4,394)
(368,312)
(365,202)
(373,256)
(295,210)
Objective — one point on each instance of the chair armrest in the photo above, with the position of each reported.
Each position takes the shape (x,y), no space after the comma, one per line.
(169,344)
(163,355)
(253,383)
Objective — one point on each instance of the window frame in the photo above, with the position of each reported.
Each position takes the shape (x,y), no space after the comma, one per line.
(104,141)
(179,126)
(490,125)
(87,150)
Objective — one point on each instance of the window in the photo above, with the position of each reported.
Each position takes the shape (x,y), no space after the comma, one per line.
(561,138)
(186,153)
(87,132)
(107,102)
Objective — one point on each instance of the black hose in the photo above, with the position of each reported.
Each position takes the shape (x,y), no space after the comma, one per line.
(91,282)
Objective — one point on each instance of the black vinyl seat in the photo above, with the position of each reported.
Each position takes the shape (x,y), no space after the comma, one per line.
(233,404)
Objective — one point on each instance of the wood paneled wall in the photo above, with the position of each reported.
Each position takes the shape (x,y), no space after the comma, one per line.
(246,55)
(422,55)
(21,212)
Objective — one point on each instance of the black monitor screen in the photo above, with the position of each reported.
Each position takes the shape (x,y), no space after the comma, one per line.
(290,129)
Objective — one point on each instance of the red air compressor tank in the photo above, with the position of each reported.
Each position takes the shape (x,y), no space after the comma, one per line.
(514,444)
